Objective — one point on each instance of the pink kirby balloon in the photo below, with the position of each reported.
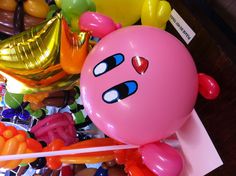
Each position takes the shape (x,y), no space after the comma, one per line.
(99,25)
(139,84)
(162,159)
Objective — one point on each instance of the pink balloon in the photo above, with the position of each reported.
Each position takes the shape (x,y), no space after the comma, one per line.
(56,126)
(162,159)
(99,25)
(139,84)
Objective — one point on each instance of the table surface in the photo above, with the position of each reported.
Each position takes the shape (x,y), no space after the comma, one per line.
(213,49)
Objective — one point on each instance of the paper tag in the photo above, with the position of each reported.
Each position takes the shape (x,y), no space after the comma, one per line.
(181,26)
(199,153)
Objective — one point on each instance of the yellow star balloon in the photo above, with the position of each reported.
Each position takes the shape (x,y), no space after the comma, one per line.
(30,61)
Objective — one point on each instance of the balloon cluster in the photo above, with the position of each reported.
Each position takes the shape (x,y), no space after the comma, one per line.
(132,80)
(15,141)
(15,16)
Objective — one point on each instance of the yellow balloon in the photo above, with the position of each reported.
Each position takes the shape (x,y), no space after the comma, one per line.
(30,61)
(155,13)
(125,12)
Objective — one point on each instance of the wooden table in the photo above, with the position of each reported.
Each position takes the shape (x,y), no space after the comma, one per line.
(214,52)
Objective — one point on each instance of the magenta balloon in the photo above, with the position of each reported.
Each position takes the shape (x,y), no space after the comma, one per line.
(162,159)
(99,25)
(139,84)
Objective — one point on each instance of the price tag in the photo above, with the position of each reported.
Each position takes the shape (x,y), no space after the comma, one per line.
(181,26)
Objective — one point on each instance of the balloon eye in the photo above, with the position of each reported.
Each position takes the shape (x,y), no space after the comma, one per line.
(120,91)
(108,64)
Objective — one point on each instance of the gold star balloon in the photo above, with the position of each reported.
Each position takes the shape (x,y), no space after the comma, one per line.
(31,60)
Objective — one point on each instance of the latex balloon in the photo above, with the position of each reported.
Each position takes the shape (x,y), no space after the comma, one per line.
(15,144)
(72,10)
(39,69)
(60,98)
(54,161)
(97,24)
(58,3)
(19,112)
(208,87)
(126,12)
(56,126)
(10,147)
(20,150)
(13,100)
(9,5)
(36,99)
(94,157)
(37,8)
(162,159)
(150,72)
(155,13)
(14,141)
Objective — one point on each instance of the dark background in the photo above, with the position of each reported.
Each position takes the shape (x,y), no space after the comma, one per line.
(214,51)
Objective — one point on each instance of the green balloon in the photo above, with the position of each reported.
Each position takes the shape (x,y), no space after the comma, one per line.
(74,8)
(13,100)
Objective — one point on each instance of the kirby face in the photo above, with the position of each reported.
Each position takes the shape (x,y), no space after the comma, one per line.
(139,84)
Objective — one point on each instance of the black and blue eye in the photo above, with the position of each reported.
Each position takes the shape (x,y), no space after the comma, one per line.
(108,64)
(120,91)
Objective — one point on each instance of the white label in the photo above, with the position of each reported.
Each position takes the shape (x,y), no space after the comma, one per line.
(181,26)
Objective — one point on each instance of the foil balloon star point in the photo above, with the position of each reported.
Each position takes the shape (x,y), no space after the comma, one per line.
(40,59)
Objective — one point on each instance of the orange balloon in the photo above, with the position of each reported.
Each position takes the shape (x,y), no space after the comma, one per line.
(34,145)
(14,163)
(94,157)
(9,132)
(57,144)
(22,133)
(89,158)
(2,128)
(54,162)
(74,49)
(36,99)
(20,137)
(28,160)
(38,8)
(2,142)
(96,142)
(9,5)
(9,148)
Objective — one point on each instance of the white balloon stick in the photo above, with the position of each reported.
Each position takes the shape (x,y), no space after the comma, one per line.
(66,152)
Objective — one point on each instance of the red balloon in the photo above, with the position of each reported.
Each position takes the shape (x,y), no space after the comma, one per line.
(208,87)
